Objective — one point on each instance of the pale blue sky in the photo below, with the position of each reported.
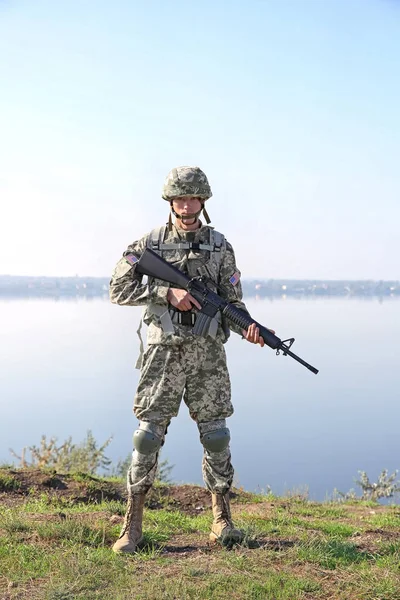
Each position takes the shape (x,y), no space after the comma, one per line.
(291,107)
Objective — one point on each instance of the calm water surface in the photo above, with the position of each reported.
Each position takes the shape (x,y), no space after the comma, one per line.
(68,366)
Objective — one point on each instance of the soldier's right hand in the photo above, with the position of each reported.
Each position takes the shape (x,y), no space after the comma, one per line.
(181,299)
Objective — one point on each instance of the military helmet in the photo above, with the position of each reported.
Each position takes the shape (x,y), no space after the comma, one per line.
(186,181)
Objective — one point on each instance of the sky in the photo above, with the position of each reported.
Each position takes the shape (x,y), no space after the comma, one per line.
(291,107)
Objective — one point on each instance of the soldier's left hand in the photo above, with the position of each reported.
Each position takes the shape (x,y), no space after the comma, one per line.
(253,335)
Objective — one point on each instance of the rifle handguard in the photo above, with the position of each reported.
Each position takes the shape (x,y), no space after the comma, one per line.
(243,320)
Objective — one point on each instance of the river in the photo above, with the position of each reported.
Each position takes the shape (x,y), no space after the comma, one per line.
(67,366)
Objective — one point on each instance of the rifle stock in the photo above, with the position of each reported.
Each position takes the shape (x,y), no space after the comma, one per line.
(152,265)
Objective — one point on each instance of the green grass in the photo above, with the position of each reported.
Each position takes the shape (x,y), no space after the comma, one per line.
(46,504)
(332,554)
(387,519)
(332,528)
(8,483)
(171,522)
(312,509)
(57,549)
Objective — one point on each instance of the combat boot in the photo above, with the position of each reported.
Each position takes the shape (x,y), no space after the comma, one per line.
(222,529)
(131,533)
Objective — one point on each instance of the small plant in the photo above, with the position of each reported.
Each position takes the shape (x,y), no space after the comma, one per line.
(163,470)
(122,466)
(339,496)
(86,457)
(385,487)
(8,483)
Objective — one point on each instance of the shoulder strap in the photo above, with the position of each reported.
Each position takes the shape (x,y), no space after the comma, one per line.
(156,238)
(217,239)
(217,242)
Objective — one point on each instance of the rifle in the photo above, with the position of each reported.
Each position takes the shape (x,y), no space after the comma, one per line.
(152,265)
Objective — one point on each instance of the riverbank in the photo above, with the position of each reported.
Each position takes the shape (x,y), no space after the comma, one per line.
(56,533)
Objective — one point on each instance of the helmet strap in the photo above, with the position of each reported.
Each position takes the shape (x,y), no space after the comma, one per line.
(205,213)
(170,222)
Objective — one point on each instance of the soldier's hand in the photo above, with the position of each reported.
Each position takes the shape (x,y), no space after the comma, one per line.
(253,335)
(181,299)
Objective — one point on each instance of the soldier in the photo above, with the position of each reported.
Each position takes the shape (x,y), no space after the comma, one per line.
(176,363)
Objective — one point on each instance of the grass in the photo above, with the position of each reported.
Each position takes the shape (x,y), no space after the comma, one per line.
(391,518)
(52,548)
(8,483)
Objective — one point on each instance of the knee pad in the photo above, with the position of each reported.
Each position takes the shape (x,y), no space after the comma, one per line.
(148,438)
(216,440)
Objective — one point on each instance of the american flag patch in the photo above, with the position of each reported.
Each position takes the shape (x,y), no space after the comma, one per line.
(235,278)
(131,258)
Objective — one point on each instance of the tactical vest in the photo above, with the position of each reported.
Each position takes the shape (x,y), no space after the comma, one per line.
(156,243)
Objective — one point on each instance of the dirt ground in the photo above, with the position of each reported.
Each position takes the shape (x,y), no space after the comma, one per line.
(189,499)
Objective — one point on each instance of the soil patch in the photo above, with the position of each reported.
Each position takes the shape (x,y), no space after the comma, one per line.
(77,487)
(20,483)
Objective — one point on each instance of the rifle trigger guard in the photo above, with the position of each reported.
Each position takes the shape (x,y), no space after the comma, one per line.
(289,343)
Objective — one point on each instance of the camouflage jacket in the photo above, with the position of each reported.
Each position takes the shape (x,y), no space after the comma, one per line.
(127,288)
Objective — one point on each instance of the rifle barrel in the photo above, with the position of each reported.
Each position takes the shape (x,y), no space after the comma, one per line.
(285,350)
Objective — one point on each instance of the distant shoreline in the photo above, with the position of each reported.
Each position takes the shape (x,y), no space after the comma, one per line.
(13,286)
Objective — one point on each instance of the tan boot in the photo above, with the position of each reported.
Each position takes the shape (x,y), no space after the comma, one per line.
(131,532)
(222,529)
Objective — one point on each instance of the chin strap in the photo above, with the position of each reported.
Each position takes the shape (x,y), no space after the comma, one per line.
(205,213)
(188,217)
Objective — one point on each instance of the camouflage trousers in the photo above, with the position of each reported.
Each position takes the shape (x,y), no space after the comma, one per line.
(195,371)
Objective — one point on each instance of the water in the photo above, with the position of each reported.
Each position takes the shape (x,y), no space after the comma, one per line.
(68,366)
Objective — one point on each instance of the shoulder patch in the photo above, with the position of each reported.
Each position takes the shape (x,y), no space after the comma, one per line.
(121,269)
(131,258)
(234,280)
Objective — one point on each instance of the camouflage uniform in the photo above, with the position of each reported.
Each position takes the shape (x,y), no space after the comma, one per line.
(176,363)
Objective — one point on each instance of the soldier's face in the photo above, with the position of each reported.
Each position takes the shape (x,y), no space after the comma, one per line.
(186,205)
